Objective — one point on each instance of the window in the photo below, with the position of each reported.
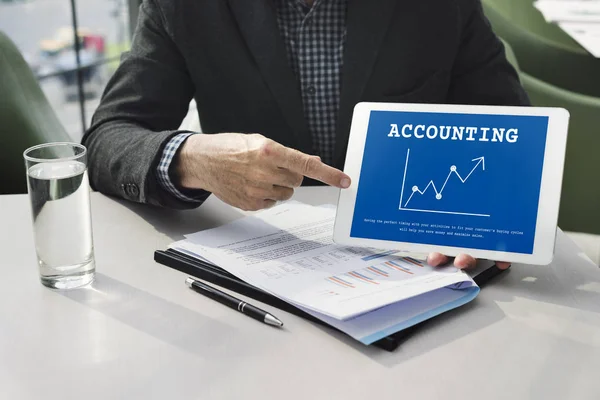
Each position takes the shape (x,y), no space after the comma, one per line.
(44,32)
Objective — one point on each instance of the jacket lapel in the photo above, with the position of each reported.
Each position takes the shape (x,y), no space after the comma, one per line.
(367,23)
(257,21)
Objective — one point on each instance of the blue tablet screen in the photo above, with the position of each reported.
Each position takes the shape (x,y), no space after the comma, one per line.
(461,180)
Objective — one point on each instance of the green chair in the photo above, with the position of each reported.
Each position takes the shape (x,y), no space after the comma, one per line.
(26,117)
(524,14)
(510,55)
(580,199)
(555,59)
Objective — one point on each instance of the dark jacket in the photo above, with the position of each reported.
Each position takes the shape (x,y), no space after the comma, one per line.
(230,57)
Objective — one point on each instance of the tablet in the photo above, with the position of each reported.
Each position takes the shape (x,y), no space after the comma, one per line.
(480,180)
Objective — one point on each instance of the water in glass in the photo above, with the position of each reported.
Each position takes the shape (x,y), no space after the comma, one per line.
(59,193)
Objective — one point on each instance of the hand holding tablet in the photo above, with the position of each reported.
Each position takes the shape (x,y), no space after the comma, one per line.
(462,261)
(454,179)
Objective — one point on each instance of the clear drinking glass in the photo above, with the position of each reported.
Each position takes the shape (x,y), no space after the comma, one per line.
(59,192)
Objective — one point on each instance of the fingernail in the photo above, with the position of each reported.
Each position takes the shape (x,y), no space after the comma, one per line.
(345,183)
(503,265)
(464,262)
(434,259)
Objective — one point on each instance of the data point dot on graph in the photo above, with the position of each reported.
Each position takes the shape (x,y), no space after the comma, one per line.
(438,196)
(415,188)
(453,168)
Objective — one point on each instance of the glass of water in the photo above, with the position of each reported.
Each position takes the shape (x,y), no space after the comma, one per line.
(59,192)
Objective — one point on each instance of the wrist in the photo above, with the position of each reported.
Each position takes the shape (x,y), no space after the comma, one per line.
(187,167)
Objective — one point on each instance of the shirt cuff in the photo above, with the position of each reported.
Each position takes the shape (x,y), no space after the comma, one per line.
(164,165)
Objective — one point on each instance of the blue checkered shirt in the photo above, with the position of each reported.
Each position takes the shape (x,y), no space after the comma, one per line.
(314,38)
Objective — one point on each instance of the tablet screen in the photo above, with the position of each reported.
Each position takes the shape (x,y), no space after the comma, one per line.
(460,180)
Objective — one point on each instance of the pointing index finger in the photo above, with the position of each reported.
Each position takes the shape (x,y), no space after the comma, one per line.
(313,167)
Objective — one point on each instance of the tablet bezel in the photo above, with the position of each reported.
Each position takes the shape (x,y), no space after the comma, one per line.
(550,189)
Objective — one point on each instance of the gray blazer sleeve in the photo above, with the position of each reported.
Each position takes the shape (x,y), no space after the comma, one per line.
(481,73)
(145,100)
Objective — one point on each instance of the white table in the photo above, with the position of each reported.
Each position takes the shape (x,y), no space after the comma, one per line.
(140,333)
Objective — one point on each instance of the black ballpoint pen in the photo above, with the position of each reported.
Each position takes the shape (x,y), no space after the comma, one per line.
(232,302)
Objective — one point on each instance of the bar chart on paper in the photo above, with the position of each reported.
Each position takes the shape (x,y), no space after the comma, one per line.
(397,269)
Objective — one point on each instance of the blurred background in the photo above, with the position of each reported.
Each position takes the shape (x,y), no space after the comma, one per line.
(56,57)
(43,31)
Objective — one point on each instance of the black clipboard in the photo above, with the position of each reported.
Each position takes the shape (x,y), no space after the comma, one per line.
(218,276)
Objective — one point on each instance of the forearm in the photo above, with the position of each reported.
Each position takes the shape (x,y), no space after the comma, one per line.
(123,158)
(144,103)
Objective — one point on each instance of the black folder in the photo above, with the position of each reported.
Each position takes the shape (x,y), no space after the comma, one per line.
(218,276)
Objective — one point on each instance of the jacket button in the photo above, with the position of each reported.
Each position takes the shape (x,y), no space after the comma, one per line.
(134,190)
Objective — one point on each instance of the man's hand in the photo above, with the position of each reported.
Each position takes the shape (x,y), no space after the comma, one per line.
(246,171)
(462,261)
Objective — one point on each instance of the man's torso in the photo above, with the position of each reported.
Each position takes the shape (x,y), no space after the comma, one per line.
(237,59)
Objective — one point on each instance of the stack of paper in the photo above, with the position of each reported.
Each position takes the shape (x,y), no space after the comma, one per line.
(369,294)
(578,18)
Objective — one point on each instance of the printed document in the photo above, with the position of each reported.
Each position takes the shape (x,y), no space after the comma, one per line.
(288,251)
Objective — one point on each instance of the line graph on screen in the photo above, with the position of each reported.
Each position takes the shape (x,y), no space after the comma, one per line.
(453,178)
